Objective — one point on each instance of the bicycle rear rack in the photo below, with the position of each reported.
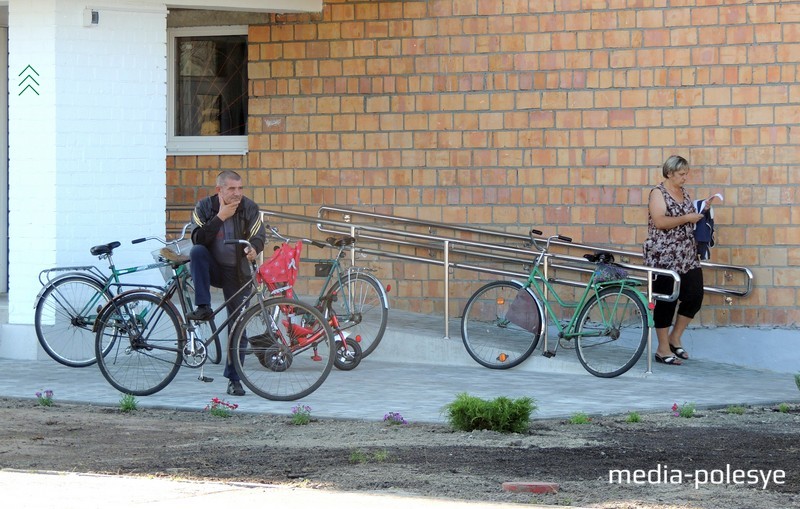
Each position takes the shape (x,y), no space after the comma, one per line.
(47,276)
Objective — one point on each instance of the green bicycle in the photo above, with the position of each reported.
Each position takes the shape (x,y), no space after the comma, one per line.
(504,320)
(67,305)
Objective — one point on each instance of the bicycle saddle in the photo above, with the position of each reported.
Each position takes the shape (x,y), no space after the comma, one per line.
(104,249)
(600,257)
(344,241)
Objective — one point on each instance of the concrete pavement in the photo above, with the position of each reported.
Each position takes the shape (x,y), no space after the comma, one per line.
(416,372)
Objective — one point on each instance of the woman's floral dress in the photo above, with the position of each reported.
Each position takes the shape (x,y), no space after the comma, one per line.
(673,249)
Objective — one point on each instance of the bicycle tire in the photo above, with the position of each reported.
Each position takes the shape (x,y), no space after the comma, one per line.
(490,339)
(62,326)
(348,354)
(145,340)
(288,348)
(362,308)
(621,318)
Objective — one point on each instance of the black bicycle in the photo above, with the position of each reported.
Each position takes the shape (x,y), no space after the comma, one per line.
(282,349)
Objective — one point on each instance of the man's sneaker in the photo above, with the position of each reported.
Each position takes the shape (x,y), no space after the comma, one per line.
(235,388)
(201,314)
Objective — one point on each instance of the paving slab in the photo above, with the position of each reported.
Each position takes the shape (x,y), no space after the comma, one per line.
(417,372)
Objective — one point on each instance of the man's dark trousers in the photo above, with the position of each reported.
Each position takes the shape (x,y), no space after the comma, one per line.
(206,272)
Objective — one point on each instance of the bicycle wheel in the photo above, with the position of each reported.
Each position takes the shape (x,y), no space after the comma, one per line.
(362,308)
(283,352)
(613,332)
(491,339)
(145,340)
(65,314)
(348,354)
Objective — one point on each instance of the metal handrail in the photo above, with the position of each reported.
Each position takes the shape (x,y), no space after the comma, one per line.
(349,213)
(448,245)
(379,233)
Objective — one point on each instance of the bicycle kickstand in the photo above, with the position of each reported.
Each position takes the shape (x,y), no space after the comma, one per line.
(204,378)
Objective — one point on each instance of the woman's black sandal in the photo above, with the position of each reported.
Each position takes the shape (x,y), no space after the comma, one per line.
(679,352)
(670,360)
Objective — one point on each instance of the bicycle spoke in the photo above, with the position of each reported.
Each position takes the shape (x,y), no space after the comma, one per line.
(613,328)
(284,352)
(64,318)
(489,336)
(361,309)
(145,342)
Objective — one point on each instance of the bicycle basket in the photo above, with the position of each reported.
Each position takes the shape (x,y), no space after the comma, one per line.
(609,272)
(182,248)
(281,268)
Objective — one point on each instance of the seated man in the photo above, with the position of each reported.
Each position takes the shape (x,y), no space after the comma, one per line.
(224,216)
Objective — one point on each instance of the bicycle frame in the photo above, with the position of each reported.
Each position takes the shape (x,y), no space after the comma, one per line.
(542,292)
(103,280)
(336,268)
(176,287)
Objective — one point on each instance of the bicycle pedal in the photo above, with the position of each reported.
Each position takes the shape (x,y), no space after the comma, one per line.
(548,353)
(206,379)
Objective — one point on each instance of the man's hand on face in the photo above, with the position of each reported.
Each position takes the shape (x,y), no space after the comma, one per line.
(226,210)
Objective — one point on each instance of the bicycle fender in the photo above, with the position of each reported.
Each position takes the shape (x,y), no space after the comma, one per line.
(643,298)
(52,282)
(111,303)
(379,284)
(542,315)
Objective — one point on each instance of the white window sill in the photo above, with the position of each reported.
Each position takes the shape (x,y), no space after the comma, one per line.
(208,145)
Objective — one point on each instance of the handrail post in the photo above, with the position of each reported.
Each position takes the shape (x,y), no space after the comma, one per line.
(353,251)
(446,289)
(649,329)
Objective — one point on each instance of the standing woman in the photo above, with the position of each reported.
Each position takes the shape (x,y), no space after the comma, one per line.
(671,245)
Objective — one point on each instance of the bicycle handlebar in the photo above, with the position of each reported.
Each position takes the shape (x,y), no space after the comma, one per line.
(163,241)
(535,241)
(316,243)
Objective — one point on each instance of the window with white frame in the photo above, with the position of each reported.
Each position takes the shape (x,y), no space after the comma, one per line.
(207,90)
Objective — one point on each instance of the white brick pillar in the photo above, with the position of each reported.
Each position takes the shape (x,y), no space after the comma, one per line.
(86,144)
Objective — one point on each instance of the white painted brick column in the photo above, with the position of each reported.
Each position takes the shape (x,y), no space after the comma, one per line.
(87,149)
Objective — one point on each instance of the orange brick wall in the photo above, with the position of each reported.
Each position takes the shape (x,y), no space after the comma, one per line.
(557,113)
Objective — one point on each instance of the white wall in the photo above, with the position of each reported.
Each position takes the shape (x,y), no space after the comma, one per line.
(87,154)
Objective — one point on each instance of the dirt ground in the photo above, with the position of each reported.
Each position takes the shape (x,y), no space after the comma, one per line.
(716,459)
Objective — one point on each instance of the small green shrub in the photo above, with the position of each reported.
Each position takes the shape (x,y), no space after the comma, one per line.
(502,414)
(381,456)
(221,408)
(735,409)
(686,410)
(634,417)
(784,408)
(394,418)
(45,398)
(128,403)
(580,418)
(797,381)
(301,415)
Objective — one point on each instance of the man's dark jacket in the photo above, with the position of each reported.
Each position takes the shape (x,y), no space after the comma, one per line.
(247,225)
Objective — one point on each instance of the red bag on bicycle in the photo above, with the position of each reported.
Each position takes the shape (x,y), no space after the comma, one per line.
(282,267)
